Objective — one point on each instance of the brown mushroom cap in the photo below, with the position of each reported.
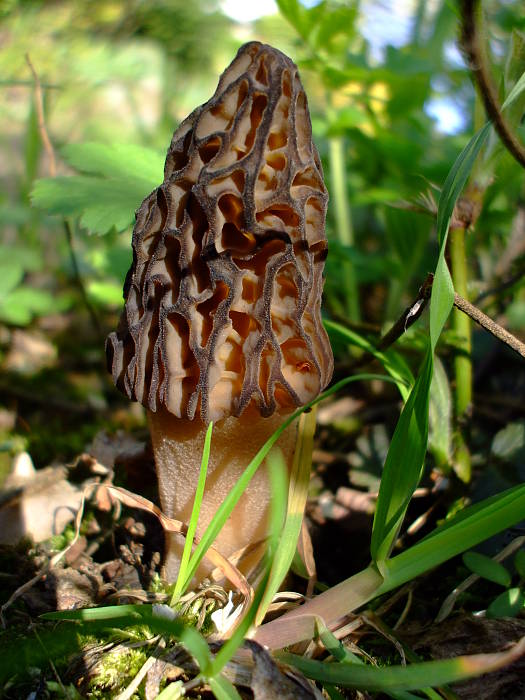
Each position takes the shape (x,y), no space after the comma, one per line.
(224,294)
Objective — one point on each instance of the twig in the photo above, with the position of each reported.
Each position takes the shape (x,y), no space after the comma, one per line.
(42,129)
(488,324)
(471,44)
(48,146)
(409,316)
(502,287)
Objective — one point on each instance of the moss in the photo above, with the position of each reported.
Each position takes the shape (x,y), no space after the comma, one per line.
(116,670)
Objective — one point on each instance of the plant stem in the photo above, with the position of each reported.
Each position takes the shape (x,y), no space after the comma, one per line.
(343,220)
(77,277)
(462,362)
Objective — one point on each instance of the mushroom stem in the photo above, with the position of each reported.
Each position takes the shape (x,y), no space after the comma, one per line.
(177,445)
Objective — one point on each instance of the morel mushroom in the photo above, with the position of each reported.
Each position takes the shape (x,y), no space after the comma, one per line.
(222,319)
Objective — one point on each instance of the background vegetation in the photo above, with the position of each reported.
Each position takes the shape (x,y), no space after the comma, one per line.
(392,105)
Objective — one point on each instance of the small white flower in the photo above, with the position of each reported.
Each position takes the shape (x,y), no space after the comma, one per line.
(224,618)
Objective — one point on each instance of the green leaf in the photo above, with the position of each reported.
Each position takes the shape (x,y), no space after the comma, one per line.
(509,443)
(121,176)
(371,678)
(101,204)
(223,689)
(192,527)
(440,415)
(11,275)
(118,160)
(515,93)
(487,568)
(23,303)
(405,459)
(173,691)
(508,604)
(519,563)
(296,14)
(109,612)
(29,259)
(403,465)
(393,363)
(465,530)
(297,489)
(105,293)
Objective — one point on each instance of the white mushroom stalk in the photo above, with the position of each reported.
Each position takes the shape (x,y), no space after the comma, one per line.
(222,319)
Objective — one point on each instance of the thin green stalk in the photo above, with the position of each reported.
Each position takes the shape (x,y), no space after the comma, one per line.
(343,220)
(192,527)
(463,361)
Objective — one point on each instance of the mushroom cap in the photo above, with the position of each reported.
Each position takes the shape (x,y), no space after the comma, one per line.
(223,298)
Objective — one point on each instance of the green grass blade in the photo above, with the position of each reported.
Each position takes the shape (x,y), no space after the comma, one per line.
(456,180)
(229,503)
(403,465)
(297,495)
(173,691)
(464,531)
(411,677)
(133,615)
(467,529)
(516,91)
(393,363)
(278,483)
(405,459)
(192,527)
(108,613)
(223,689)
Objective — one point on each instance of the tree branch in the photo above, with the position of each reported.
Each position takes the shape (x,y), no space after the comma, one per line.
(488,324)
(472,47)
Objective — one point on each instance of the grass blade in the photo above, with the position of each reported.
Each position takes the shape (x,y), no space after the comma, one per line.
(229,503)
(393,363)
(467,529)
(297,494)
(192,527)
(278,482)
(403,465)
(223,689)
(412,677)
(405,459)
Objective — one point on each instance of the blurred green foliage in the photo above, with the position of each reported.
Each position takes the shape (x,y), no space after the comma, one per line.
(118,77)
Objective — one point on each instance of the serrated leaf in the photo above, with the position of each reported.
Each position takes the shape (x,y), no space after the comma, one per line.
(116,160)
(121,177)
(487,568)
(101,204)
(507,604)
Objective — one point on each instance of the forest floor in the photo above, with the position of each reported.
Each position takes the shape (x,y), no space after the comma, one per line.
(79,433)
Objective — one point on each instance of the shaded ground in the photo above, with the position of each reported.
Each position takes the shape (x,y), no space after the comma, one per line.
(57,413)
